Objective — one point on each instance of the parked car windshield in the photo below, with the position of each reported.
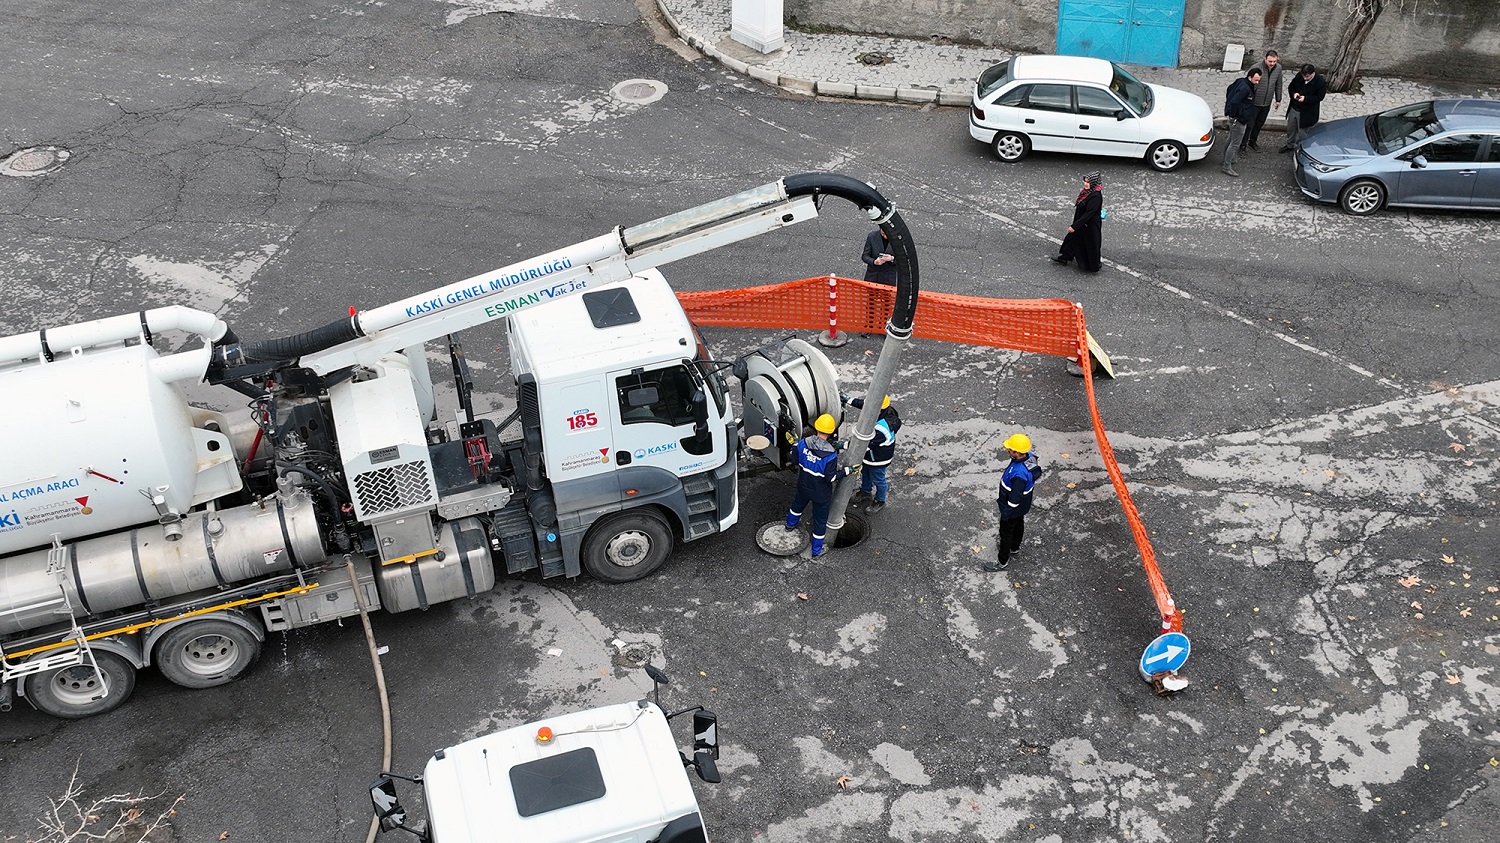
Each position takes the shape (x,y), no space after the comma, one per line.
(1401,127)
(1134,92)
(994,78)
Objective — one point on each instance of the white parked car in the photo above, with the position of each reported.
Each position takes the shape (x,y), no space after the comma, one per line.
(1089,106)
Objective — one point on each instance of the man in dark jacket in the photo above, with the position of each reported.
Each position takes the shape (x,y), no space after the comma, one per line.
(817,470)
(879,455)
(1305,95)
(1239,107)
(880,265)
(1016,485)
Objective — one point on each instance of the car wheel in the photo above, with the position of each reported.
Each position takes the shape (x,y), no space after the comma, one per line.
(1362,198)
(1011,147)
(1165,156)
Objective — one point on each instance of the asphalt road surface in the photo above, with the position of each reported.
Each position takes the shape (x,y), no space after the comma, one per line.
(1306,412)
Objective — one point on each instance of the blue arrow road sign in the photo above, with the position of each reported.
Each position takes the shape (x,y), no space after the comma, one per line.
(1168,652)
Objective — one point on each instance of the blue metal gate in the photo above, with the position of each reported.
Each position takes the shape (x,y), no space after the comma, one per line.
(1127,31)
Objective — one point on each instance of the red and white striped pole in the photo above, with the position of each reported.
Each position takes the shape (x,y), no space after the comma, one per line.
(834,337)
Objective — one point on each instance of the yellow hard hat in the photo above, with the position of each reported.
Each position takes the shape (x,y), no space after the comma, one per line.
(825,424)
(1019,442)
(886,403)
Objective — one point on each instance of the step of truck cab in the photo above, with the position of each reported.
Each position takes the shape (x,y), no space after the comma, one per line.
(701,525)
(698,485)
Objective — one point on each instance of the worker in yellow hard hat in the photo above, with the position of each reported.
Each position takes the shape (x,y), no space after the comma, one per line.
(1016,485)
(817,469)
(878,456)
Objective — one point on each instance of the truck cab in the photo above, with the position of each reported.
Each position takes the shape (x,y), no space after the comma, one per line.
(631,418)
(606,775)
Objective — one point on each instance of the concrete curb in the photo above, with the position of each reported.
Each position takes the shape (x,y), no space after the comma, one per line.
(814,87)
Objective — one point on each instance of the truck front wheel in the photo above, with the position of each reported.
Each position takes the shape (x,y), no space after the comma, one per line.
(80,691)
(626,547)
(205,653)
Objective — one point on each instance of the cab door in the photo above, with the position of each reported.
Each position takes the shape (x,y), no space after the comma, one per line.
(662,420)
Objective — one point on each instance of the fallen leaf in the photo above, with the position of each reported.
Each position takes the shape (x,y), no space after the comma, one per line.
(1072,485)
(909,472)
(1465,612)
(976,548)
(1457,446)
(224,836)
(1448,559)
(1492,589)
(845,781)
(801,595)
(1452,680)
(1409,581)
(1416,605)
(1419,616)
(1330,472)
(1066,456)
(1468,462)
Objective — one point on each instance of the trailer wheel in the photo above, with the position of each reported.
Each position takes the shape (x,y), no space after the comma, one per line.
(205,653)
(626,547)
(70,692)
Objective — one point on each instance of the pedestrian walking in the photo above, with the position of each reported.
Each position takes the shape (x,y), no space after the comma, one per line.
(817,470)
(1239,107)
(1085,236)
(1267,94)
(1016,485)
(1304,98)
(880,264)
(878,456)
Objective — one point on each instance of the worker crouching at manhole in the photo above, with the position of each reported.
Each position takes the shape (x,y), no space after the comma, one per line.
(817,469)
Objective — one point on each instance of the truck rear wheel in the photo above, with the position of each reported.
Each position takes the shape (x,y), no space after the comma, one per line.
(626,547)
(74,692)
(205,653)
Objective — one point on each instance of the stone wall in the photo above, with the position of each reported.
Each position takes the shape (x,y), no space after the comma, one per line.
(1432,39)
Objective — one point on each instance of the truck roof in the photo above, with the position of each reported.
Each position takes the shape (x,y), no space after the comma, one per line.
(638,319)
(611,773)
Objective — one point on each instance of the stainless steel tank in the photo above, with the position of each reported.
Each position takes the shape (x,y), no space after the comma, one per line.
(129,568)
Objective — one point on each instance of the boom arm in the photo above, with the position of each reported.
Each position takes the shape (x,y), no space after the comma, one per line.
(363,338)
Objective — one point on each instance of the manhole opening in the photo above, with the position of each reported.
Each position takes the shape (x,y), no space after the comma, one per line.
(855,530)
(876,59)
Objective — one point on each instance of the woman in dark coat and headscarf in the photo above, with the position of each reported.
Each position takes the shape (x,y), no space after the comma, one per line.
(1084,238)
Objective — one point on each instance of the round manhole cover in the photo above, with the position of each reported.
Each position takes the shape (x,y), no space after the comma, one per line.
(639,91)
(775,539)
(36,161)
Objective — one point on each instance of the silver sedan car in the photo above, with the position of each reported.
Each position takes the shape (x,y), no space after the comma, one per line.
(1437,154)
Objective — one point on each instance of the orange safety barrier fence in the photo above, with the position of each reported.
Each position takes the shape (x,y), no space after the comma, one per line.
(1042,326)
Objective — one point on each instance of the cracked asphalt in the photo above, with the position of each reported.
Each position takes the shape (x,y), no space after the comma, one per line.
(1306,410)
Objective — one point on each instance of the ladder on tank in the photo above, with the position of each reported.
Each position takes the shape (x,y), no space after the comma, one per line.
(61,655)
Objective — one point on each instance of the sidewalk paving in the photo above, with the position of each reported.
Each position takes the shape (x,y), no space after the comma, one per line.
(925,71)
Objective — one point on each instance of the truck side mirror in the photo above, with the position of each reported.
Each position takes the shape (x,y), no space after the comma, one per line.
(700,416)
(387,805)
(703,762)
(705,732)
